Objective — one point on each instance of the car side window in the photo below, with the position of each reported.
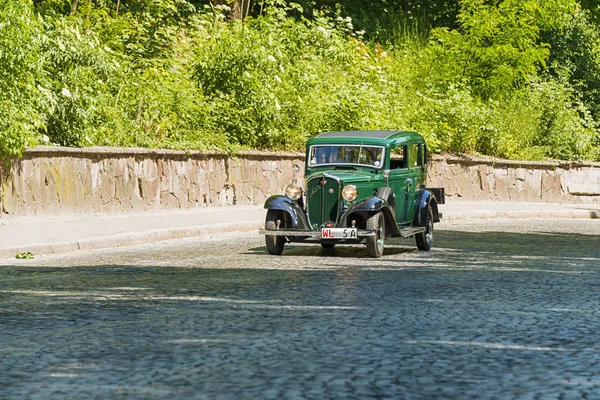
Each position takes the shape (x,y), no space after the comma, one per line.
(423,156)
(397,159)
(413,155)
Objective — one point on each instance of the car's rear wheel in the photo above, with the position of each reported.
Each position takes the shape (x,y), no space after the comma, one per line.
(425,239)
(275,244)
(376,242)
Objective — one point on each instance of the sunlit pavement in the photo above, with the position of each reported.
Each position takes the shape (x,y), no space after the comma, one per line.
(499,309)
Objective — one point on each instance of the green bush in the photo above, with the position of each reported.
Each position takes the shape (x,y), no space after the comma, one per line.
(103,90)
(273,82)
(19,63)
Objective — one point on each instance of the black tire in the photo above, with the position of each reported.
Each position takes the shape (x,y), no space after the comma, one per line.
(328,245)
(376,243)
(275,244)
(425,239)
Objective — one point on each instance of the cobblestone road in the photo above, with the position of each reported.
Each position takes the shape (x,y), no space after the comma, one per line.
(502,309)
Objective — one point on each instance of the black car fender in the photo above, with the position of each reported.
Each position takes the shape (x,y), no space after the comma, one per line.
(386,193)
(368,207)
(296,213)
(425,198)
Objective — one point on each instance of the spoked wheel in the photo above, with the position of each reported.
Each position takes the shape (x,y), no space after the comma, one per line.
(425,239)
(375,243)
(274,243)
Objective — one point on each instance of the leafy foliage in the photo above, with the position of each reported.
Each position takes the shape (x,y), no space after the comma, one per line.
(19,50)
(390,21)
(575,58)
(508,78)
(497,47)
(274,82)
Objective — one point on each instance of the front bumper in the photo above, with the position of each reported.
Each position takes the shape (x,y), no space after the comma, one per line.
(362,233)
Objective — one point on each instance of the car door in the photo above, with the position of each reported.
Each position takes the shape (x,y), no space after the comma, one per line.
(415,178)
(399,181)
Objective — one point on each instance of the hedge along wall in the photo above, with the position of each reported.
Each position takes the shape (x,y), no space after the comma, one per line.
(51,180)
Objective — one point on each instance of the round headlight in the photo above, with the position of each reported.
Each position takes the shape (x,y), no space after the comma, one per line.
(293,191)
(349,193)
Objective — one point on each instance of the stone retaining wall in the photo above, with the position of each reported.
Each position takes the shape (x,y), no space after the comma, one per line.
(51,180)
(490,179)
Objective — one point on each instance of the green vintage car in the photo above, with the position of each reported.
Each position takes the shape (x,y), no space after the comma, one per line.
(361,186)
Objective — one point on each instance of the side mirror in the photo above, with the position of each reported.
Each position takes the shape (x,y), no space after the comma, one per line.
(295,169)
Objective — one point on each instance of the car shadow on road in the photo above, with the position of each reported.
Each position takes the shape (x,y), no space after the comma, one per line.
(545,244)
(342,251)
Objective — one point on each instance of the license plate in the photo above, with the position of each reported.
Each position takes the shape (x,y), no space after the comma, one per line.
(339,233)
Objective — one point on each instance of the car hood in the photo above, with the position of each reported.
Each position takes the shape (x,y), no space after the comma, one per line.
(349,177)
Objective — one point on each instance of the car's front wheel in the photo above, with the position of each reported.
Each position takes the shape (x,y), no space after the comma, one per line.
(275,244)
(376,242)
(425,239)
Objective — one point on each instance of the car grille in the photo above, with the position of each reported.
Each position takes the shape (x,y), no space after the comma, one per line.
(323,200)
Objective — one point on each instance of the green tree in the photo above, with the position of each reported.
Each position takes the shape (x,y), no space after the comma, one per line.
(19,62)
(497,47)
(593,7)
(575,58)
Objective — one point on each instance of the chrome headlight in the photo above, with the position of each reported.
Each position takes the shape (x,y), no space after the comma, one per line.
(349,193)
(293,191)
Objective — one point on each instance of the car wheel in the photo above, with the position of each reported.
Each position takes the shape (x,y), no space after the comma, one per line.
(375,243)
(328,245)
(425,239)
(274,243)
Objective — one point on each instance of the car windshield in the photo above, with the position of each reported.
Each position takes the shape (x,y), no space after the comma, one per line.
(371,156)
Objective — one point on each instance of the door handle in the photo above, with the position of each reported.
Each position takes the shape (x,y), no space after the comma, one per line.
(408,183)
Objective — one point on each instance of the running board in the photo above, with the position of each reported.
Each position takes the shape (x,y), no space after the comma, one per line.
(312,234)
(408,232)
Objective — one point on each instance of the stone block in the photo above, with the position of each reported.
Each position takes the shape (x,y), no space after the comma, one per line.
(501,189)
(582,182)
(153,196)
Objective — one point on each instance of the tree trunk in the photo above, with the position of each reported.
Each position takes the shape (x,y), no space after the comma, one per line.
(247,8)
(73,6)
(237,9)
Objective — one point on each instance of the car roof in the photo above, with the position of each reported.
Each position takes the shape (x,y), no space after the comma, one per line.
(381,137)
